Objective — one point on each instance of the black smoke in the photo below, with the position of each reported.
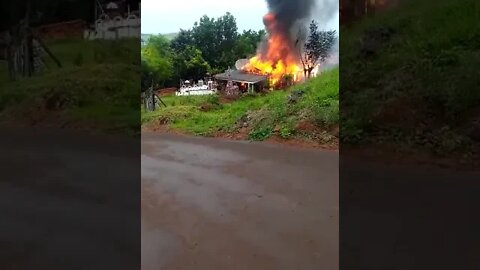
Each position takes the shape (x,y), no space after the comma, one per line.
(290,19)
(288,12)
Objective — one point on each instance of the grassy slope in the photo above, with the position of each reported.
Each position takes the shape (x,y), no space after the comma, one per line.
(426,76)
(265,115)
(98,85)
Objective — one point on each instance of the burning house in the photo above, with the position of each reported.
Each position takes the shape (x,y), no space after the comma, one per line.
(278,61)
(246,82)
(279,55)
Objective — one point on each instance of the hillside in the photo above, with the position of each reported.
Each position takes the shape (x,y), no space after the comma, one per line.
(410,77)
(313,118)
(169,36)
(96,89)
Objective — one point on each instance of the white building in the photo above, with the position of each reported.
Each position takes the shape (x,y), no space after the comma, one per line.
(112,25)
(196,90)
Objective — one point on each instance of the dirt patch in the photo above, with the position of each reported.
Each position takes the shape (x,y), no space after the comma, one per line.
(156,126)
(398,112)
(164,92)
(206,107)
(306,127)
(241,134)
(301,143)
(225,100)
(323,136)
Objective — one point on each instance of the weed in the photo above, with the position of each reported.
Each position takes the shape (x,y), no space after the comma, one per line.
(260,134)
(286,132)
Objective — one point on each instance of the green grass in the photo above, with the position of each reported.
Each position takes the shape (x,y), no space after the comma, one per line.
(430,65)
(102,89)
(94,52)
(264,114)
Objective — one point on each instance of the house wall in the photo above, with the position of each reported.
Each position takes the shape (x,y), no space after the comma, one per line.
(62,30)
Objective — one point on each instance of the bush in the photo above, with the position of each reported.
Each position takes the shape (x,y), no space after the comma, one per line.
(260,134)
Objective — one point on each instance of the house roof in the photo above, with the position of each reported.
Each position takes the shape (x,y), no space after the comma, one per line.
(240,76)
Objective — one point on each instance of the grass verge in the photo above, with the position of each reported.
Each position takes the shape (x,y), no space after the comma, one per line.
(312,116)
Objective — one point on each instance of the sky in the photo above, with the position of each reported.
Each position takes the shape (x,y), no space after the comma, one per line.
(169,16)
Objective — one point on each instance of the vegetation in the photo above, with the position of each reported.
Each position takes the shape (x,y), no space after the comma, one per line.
(314,115)
(100,91)
(410,75)
(317,48)
(210,46)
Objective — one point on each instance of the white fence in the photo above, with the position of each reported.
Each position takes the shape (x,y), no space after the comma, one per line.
(118,27)
(195,91)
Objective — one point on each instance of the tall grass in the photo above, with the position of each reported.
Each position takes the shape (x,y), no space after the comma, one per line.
(431,60)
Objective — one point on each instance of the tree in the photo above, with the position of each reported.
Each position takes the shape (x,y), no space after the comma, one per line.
(182,40)
(205,35)
(317,48)
(247,43)
(227,35)
(160,43)
(212,36)
(190,64)
(156,61)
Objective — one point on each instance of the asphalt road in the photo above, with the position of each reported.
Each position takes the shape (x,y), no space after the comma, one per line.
(214,204)
(72,201)
(69,201)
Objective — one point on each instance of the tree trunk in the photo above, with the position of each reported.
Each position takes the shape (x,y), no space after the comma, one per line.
(309,71)
(10,62)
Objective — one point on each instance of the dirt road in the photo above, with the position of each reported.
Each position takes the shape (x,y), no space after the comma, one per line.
(213,204)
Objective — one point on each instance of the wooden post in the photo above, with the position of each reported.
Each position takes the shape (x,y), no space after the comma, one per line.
(160,99)
(44,46)
(152,96)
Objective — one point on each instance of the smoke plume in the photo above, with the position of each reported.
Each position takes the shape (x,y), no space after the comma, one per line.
(286,18)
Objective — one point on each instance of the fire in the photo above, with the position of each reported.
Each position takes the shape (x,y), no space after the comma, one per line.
(279,59)
(275,69)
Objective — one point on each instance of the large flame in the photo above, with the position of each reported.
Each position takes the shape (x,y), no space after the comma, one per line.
(278,59)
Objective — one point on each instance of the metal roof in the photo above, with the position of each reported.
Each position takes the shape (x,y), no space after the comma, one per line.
(240,76)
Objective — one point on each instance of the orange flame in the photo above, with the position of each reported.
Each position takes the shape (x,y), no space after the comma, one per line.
(279,59)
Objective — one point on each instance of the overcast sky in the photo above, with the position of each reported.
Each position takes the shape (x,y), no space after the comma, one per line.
(168,16)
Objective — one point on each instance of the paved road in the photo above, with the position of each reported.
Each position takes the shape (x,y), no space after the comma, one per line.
(396,217)
(210,204)
(68,201)
(71,201)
